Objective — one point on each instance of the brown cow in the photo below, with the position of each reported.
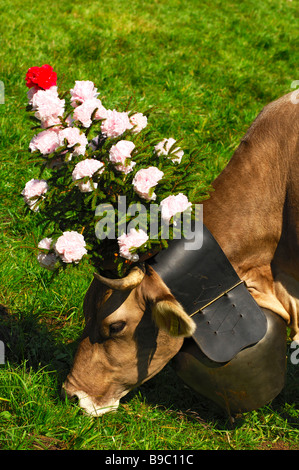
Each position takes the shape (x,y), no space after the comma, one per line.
(135,326)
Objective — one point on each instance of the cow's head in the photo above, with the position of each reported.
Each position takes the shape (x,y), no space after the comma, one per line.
(134,326)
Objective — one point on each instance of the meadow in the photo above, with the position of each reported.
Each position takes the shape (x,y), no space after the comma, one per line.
(208,68)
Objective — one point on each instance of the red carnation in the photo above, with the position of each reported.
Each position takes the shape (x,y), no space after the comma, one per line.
(41,77)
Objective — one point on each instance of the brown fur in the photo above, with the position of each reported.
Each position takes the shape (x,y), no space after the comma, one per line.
(254,210)
(254,215)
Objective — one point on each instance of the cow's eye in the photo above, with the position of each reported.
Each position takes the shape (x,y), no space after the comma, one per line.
(116,327)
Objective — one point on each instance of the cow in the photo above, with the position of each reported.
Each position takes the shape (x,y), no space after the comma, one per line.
(135,325)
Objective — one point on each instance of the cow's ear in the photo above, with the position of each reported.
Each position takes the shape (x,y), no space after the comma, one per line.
(170,316)
(167,313)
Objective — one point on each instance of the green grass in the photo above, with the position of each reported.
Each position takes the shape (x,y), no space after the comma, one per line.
(208,68)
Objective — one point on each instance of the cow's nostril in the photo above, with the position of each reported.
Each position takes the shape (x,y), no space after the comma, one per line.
(73,399)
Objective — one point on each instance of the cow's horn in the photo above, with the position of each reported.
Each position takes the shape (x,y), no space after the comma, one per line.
(131,280)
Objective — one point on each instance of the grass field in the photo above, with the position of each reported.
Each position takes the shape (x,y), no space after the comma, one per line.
(208,68)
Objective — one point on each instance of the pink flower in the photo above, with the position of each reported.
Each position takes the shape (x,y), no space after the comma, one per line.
(172,205)
(101,112)
(119,153)
(41,96)
(45,259)
(46,142)
(84,112)
(115,124)
(87,167)
(45,244)
(48,106)
(165,148)
(71,247)
(30,93)
(127,242)
(145,180)
(139,122)
(34,189)
(73,137)
(82,91)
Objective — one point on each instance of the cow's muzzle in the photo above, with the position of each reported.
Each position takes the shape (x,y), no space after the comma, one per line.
(87,403)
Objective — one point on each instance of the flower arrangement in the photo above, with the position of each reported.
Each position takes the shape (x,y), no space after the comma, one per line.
(89,155)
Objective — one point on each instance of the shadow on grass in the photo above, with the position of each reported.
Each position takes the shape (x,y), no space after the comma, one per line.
(169,391)
(29,339)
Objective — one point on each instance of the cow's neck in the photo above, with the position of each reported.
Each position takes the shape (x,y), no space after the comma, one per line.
(254,210)
(242,215)
(246,212)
